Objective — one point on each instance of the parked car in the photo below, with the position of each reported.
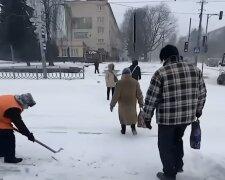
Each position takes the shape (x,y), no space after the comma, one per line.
(221,78)
(212,62)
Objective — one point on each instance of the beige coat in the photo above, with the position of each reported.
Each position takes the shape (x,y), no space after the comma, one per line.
(127,92)
(109,76)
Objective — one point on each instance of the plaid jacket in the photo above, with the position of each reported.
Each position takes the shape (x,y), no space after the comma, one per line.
(177,92)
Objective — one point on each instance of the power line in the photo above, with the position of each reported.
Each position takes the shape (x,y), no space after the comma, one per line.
(190,13)
(162,1)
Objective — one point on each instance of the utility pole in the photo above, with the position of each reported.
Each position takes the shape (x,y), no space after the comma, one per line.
(39,31)
(189,32)
(134,38)
(197,48)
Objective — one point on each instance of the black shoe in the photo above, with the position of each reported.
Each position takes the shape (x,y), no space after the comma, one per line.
(13,160)
(162,176)
(133,129)
(180,170)
(123,129)
(134,132)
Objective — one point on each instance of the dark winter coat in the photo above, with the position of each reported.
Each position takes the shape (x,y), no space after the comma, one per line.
(136,73)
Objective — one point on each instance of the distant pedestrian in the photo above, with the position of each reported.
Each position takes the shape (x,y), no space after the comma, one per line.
(110,79)
(127,93)
(11,108)
(177,92)
(135,70)
(96,64)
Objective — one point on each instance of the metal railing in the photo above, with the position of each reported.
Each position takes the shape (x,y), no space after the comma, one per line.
(36,72)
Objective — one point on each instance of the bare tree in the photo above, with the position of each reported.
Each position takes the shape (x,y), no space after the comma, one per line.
(50,17)
(154,25)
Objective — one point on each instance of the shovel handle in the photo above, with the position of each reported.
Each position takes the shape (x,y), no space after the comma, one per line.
(42,144)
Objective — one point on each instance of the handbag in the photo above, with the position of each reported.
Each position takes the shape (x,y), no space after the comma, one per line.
(141,121)
(115,78)
(195,137)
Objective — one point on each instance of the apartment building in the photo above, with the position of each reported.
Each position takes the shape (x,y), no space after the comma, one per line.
(90,25)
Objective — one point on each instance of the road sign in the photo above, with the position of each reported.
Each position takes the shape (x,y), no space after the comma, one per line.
(197,50)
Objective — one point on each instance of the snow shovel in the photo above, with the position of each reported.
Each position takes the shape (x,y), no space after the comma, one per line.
(42,144)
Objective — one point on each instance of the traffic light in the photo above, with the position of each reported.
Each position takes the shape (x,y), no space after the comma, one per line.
(204,41)
(221,15)
(186,46)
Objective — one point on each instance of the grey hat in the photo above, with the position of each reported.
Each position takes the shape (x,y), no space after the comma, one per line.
(126,71)
(26,100)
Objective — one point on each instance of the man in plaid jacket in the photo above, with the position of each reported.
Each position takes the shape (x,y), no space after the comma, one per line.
(177,92)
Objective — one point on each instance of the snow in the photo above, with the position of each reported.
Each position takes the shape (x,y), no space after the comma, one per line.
(75,115)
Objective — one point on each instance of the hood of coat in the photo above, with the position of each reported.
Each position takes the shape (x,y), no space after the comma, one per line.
(111,67)
(126,76)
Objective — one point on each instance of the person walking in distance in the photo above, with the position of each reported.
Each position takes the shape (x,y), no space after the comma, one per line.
(127,93)
(135,70)
(11,107)
(177,91)
(110,79)
(96,64)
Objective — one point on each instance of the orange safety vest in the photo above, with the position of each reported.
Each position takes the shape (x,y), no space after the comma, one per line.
(7,102)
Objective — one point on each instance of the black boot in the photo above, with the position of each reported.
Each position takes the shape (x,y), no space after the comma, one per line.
(133,129)
(162,176)
(123,129)
(13,160)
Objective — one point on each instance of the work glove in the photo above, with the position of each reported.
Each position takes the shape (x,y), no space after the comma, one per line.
(111,108)
(31,137)
(148,124)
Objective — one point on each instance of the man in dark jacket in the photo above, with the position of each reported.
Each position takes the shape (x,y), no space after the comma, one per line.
(135,70)
(177,91)
(96,64)
(11,108)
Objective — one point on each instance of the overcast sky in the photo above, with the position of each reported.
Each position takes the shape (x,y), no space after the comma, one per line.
(179,6)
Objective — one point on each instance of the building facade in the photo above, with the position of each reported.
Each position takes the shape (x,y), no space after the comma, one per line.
(90,25)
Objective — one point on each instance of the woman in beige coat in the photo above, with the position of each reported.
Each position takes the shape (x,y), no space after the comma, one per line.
(110,80)
(127,93)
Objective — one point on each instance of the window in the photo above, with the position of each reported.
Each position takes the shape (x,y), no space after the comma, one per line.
(100,30)
(100,19)
(82,23)
(100,7)
(100,40)
(74,52)
(81,35)
(64,53)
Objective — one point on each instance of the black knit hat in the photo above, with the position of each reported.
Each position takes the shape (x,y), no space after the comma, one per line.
(168,51)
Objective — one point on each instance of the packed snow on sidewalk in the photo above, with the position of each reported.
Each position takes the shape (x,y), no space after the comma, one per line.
(75,115)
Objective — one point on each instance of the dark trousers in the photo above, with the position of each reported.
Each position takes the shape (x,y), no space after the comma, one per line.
(170,146)
(7,144)
(96,70)
(108,91)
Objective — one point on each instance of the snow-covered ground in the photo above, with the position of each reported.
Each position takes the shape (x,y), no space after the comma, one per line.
(75,115)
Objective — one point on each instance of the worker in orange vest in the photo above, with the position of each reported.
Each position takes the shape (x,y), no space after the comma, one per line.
(11,108)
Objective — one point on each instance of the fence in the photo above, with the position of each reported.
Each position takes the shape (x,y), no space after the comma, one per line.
(37,73)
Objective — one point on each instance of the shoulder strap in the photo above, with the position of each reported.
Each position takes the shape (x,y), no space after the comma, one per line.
(134,69)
